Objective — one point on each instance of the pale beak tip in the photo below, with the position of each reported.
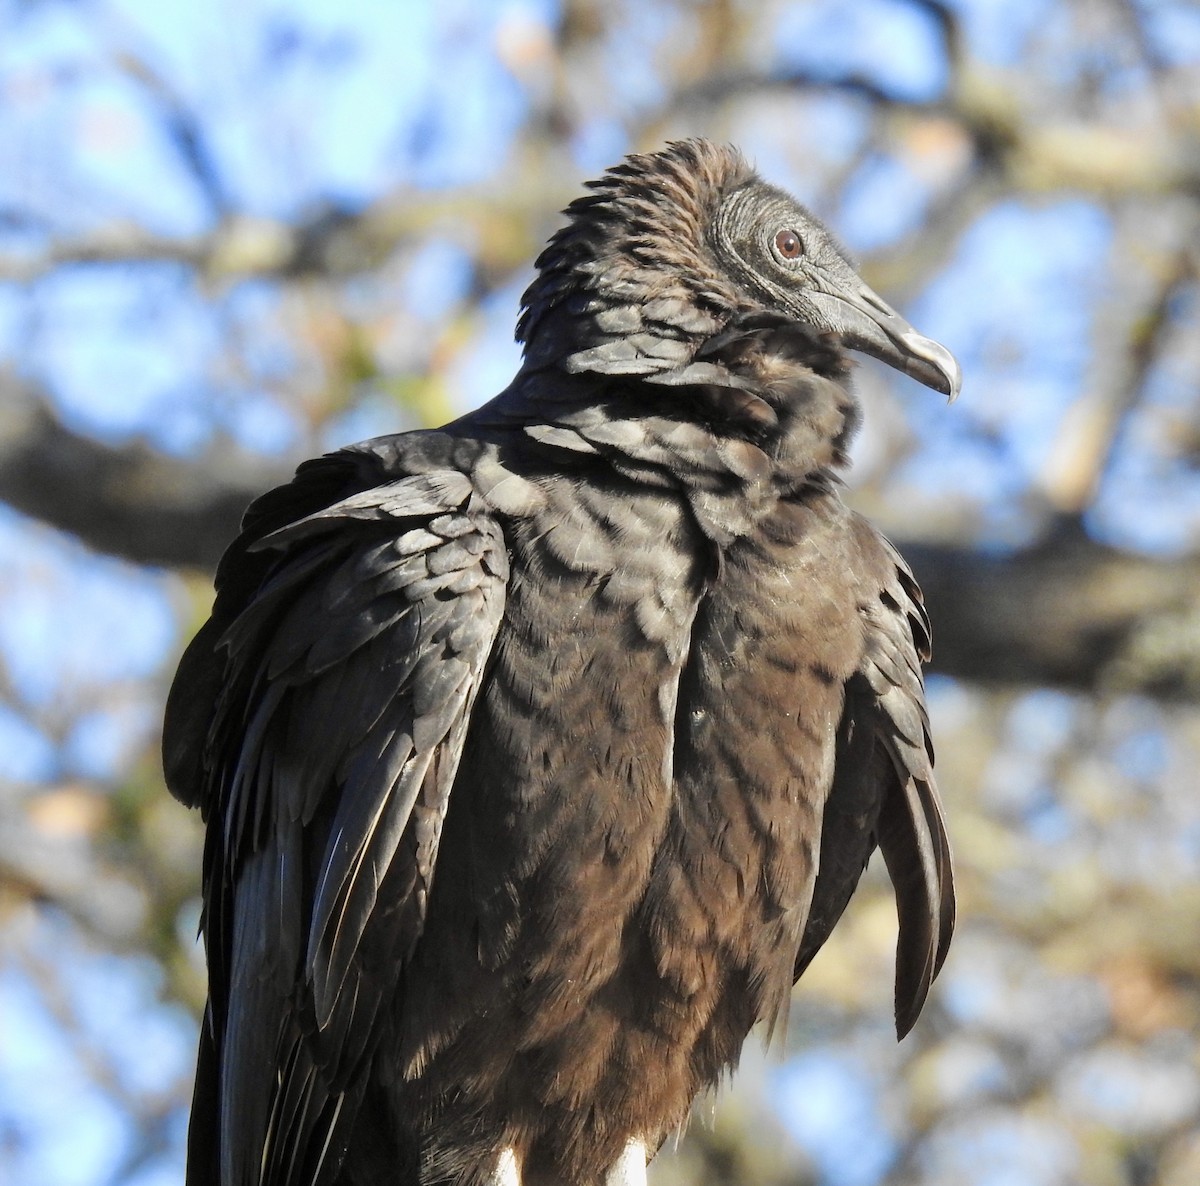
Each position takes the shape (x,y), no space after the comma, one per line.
(929,362)
(954,381)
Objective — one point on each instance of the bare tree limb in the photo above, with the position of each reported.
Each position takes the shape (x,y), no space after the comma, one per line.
(1071,612)
(183,127)
(1090,430)
(330,241)
(127,501)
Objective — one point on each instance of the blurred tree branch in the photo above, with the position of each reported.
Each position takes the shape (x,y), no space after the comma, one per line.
(329,241)
(1068,612)
(1124,358)
(182,125)
(128,500)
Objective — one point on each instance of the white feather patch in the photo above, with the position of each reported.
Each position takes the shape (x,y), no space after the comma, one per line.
(507,1172)
(630,1167)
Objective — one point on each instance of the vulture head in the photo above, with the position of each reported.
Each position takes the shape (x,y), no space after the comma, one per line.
(675,254)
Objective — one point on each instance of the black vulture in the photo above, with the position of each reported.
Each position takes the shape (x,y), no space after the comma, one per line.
(540,753)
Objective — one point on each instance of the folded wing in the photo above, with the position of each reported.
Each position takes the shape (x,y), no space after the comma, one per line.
(346,665)
(883,790)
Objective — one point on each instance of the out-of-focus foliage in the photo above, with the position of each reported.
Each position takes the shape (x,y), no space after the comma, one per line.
(231,238)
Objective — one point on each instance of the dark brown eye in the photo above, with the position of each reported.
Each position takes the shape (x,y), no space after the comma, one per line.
(788,244)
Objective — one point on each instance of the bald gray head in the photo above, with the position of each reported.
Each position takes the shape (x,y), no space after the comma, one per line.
(672,249)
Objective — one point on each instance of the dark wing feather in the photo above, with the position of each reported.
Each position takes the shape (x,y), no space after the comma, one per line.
(883,788)
(912,831)
(345,686)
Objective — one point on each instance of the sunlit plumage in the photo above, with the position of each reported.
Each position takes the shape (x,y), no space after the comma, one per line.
(539,754)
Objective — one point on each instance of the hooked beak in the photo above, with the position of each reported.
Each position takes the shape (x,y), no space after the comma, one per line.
(868,323)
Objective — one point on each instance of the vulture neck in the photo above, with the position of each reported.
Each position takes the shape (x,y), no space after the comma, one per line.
(776,422)
(797,386)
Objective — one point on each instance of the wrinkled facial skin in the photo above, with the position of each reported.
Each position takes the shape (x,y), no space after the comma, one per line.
(784,257)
